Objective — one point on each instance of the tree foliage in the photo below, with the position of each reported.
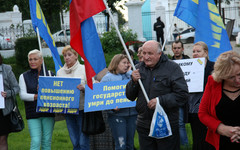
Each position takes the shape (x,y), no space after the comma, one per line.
(112,6)
(50,8)
(111,42)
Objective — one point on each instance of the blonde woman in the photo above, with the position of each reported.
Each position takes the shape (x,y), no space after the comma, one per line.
(72,68)
(219,108)
(199,130)
(40,125)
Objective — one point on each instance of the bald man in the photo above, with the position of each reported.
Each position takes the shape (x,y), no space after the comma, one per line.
(163,79)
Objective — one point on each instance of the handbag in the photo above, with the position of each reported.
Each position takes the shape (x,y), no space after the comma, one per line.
(17,123)
(93,123)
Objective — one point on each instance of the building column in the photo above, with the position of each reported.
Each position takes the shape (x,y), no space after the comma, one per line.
(160,11)
(135,17)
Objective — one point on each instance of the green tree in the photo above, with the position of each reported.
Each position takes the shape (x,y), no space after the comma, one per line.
(112,6)
(111,42)
(50,8)
(121,20)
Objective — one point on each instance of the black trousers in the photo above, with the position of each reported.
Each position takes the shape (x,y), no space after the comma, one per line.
(199,132)
(160,36)
(149,143)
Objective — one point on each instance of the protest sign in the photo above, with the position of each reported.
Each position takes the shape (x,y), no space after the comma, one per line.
(58,95)
(193,70)
(107,95)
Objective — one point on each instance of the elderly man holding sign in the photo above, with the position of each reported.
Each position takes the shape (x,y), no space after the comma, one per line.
(163,79)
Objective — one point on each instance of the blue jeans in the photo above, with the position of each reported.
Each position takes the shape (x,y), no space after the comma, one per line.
(41,130)
(182,129)
(80,141)
(123,130)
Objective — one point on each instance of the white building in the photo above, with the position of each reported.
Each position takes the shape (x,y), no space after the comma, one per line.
(11,18)
(151,9)
(99,19)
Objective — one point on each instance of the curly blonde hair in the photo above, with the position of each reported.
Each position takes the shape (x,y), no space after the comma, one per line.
(69,48)
(224,65)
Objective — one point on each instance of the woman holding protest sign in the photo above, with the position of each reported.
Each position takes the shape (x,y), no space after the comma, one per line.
(121,121)
(10,89)
(199,130)
(72,68)
(40,125)
(219,108)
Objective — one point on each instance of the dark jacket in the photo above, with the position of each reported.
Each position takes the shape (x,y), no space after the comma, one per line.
(183,57)
(158,27)
(11,86)
(31,80)
(165,81)
(195,98)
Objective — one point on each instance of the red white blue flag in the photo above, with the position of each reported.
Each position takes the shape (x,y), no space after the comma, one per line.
(84,37)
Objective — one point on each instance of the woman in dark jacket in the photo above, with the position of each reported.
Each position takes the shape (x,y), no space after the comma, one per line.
(10,89)
(199,130)
(40,125)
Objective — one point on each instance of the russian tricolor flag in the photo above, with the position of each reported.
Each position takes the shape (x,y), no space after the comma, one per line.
(84,36)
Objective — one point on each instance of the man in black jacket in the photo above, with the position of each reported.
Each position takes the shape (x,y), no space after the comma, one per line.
(177,48)
(164,79)
(158,27)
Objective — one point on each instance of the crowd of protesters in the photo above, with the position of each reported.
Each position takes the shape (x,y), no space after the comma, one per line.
(212,113)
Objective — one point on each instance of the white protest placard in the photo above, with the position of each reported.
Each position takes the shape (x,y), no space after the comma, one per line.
(193,70)
(2,104)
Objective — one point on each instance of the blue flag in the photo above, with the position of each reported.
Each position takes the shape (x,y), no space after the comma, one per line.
(203,15)
(39,21)
(186,10)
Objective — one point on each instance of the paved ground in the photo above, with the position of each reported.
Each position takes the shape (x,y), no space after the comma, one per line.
(188,49)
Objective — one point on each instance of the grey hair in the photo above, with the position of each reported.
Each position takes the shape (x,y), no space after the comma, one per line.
(35,51)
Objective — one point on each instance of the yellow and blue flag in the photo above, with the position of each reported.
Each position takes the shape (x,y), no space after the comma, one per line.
(39,21)
(203,15)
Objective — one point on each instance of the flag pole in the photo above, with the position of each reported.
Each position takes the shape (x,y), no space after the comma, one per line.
(126,50)
(40,48)
(168,33)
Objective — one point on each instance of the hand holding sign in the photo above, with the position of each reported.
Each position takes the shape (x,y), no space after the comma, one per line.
(107,95)
(81,87)
(59,95)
